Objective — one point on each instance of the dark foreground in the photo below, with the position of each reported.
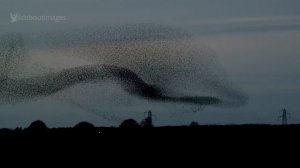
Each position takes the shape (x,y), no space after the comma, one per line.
(193,142)
(205,133)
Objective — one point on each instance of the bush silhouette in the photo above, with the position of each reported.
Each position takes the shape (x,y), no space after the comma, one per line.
(194,124)
(38,126)
(130,123)
(84,126)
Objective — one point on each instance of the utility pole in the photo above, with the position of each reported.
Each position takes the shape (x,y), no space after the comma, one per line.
(148,122)
(283,117)
(150,117)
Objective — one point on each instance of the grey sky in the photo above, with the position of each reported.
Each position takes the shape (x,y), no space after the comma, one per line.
(257,41)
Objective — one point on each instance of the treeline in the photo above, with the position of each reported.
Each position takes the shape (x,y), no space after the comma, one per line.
(131,124)
(132,132)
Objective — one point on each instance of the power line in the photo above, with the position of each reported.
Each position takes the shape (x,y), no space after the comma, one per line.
(148,121)
(283,117)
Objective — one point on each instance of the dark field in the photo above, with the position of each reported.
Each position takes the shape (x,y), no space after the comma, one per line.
(197,142)
(174,133)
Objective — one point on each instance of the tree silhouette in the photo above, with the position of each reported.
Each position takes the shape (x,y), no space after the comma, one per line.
(84,127)
(38,125)
(129,123)
(194,124)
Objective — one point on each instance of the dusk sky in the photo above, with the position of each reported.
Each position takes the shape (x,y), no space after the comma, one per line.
(257,43)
